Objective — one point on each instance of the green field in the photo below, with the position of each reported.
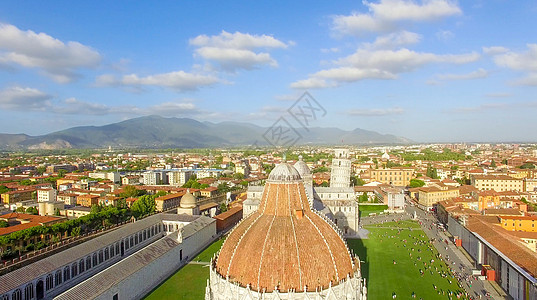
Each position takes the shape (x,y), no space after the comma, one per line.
(386,246)
(190,281)
(366,209)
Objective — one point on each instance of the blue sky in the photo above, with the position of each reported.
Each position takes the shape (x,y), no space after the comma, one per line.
(428,70)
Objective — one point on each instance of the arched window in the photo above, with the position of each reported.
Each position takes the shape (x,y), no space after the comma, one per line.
(127,243)
(5,297)
(112,251)
(17,295)
(101,256)
(58,277)
(145,235)
(95,262)
(152,230)
(29,291)
(117,248)
(81,266)
(74,270)
(140,237)
(132,241)
(106,254)
(66,273)
(49,283)
(136,239)
(88,262)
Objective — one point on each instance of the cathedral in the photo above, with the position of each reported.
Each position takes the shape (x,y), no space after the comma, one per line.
(337,202)
(286,249)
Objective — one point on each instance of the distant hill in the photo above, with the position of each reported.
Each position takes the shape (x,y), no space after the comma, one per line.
(160,132)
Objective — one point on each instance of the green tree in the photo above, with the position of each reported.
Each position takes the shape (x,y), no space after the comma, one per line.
(20,209)
(61,173)
(76,231)
(363,198)
(325,184)
(528,166)
(95,208)
(57,212)
(204,186)
(238,176)
(31,210)
(414,183)
(3,224)
(131,191)
(431,172)
(244,183)
(40,170)
(504,161)
(357,181)
(493,164)
(3,189)
(143,206)
(223,187)
(223,207)
(195,185)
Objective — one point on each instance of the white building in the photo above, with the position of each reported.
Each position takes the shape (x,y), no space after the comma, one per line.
(152,178)
(45,195)
(112,176)
(180,177)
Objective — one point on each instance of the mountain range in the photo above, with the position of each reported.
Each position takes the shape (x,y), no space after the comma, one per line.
(160,132)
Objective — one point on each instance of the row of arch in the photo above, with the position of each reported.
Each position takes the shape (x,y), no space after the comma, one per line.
(65,274)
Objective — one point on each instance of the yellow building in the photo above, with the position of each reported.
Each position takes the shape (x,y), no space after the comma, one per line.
(522,223)
(17,196)
(170,201)
(394,176)
(427,196)
(500,183)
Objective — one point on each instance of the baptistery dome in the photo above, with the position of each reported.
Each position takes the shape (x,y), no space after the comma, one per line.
(285,246)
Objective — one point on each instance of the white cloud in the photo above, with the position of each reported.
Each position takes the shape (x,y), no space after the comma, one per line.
(233,51)
(402,60)
(395,40)
(521,61)
(73,106)
(350,74)
(232,59)
(386,14)
(237,40)
(54,58)
(444,35)
(378,64)
(494,50)
(311,83)
(480,73)
(376,112)
(406,10)
(172,109)
(179,80)
(24,99)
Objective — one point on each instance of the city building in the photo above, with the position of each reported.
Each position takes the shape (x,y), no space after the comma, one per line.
(428,196)
(47,194)
(499,183)
(394,176)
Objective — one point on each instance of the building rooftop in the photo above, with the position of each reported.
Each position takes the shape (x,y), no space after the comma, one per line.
(284,244)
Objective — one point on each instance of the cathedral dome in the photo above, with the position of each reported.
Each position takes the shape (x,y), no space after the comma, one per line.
(302,168)
(188,200)
(284,245)
(284,172)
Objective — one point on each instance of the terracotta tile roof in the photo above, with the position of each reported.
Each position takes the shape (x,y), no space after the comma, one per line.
(504,241)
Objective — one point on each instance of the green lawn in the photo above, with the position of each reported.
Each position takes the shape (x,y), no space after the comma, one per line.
(190,281)
(366,209)
(384,278)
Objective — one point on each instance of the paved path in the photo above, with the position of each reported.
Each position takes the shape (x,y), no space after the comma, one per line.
(203,263)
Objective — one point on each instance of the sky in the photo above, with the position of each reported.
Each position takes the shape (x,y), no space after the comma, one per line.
(427,70)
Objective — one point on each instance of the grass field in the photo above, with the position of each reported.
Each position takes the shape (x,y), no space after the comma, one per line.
(190,281)
(366,209)
(396,242)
